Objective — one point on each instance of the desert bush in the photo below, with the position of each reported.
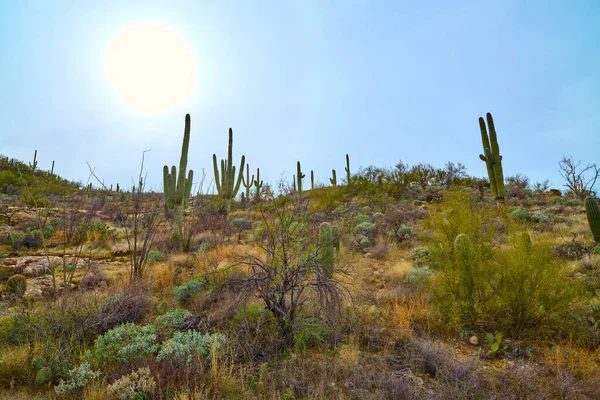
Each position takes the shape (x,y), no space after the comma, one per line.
(184,347)
(520,213)
(169,322)
(421,256)
(538,216)
(361,218)
(418,276)
(253,332)
(125,343)
(137,385)
(155,256)
(186,291)
(78,379)
(365,228)
(517,186)
(532,291)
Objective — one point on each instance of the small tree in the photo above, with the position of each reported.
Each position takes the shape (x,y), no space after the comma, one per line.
(290,271)
(579,180)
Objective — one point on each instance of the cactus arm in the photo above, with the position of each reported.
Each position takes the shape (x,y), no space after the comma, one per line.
(498,173)
(188,186)
(347,168)
(239,178)
(312,179)
(216,171)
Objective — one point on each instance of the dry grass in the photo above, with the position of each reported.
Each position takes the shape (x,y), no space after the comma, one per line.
(15,369)
(581,363)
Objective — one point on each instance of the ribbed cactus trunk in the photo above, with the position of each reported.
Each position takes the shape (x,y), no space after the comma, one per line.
(258,184)
(347,168)
(492,157)
(593,215)
(333,179)
(300,176)
(312,180)
(248,182)
(177,188)
(226,181)
(326,249)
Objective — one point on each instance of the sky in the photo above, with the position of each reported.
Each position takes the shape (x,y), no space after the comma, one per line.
(308,80)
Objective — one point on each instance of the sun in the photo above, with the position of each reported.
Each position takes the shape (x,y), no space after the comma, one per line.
(151,67)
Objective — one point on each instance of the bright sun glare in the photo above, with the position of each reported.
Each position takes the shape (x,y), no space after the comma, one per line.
(151,67)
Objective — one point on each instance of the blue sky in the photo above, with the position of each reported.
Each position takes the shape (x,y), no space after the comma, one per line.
(308,80)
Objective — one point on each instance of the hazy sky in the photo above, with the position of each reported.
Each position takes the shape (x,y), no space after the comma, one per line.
(308,80)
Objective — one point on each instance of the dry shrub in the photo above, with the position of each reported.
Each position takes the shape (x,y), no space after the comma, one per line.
(165,275)
(409,311)
(581,363)
(15,369)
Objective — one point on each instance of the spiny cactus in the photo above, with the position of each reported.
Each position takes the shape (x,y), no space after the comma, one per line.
(492,157)
(247,182)
(227,183)
(177,187)
(347,168)
(258,184)
(300,176)
(294,184)
(336,238)
(33,165)
(326,254)
(118,188)
(312,179)
(333,179)
(52,169)
(593,216)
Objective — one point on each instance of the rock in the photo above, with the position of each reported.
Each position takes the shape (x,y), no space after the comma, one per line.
(368,255)
(34,266)
(33,293)
(474,340)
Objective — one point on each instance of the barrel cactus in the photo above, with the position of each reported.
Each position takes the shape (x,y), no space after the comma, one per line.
(16,284)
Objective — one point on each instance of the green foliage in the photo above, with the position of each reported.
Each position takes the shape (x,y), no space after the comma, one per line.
(520,213)
(341,210)
(183,347)
(78,379)
(125,343)
(169,322)
(419,276)
(313,333)
(155,256)
(360,218)
(184,292)
(538,216)
(258,385)
(137,385)
(16,284)
(365,227)
(5,273)
(496,346)
(403,233)
(421,256)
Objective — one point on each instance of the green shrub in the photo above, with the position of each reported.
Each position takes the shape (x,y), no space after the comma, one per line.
(184,292)
(312,334)
(421,256)
(519,213)
(5,273)
(557,200)
(155,256)
(538,216)
(418,276)
(183,347)
(364,242)
(365,227)
(125,343)
(78,379)
(169,322)
(377,216)
(136,386)
(574,203)
(16,284)
(361,218)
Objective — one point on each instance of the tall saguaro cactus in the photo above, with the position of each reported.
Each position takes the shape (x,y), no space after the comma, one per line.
(593,215)
(300,176)
(227,183)
(333,179)
(248,182)
(258,184)
(34,164)
(492,157)
(347,168)
(177,187)
(312,179)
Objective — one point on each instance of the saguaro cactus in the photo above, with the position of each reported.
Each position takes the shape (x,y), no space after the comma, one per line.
(347,168)
(227,183)
(326,246)
(593,215)
(248,182)
(333,179)
(52,169)
(492,157)
(300,176)
(312,179)
(33,165)
(258,184)
(177,187)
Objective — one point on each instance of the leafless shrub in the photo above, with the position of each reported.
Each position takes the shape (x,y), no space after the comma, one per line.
(576,179)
